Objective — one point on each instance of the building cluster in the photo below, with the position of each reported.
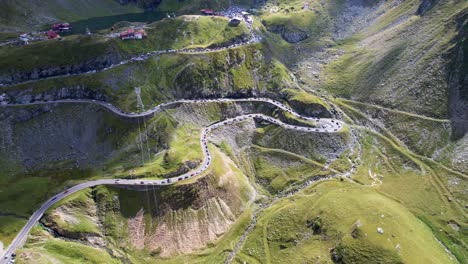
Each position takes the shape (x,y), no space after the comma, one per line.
(236,14)
(56,28)
(133,34)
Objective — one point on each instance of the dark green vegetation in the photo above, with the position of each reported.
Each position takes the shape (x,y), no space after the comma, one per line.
(395,71)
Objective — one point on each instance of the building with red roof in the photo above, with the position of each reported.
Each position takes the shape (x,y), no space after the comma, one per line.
(133,34)
(51,34)
(207,12)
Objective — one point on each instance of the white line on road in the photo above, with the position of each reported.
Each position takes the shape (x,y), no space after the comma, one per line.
(324,125)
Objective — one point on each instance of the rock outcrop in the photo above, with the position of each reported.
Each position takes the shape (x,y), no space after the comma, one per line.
(458,80)
(425,6)
(291,35)
(95,64)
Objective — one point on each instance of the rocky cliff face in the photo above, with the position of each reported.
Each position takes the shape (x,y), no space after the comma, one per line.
(166,221)
(95,64)
(458,80)
(194,216)
(425,6)
(40,135)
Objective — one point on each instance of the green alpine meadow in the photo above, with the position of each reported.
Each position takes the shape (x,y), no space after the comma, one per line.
(234,131)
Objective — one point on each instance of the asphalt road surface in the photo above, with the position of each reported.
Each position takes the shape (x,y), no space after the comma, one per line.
(323,125)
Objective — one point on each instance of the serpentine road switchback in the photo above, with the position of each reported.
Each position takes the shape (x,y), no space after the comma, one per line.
(323,125)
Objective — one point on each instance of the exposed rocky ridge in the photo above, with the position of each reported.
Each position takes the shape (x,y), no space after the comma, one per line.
(95,64)
(237,136)
(403,64)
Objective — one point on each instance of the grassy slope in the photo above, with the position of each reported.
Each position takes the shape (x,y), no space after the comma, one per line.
(47,249)
(423,134)
(278,170)
(282,233)
(10,227)
(375,64)
(168,76)
(72,50)
(79,207)
(419,192)
(422,192)
(180,32)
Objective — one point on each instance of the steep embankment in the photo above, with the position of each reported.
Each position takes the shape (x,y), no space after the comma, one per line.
(85,53)
(458,78)
(142,225)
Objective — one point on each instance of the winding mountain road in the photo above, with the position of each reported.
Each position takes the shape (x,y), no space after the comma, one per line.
(141,57)
(323,125)
(330,124)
